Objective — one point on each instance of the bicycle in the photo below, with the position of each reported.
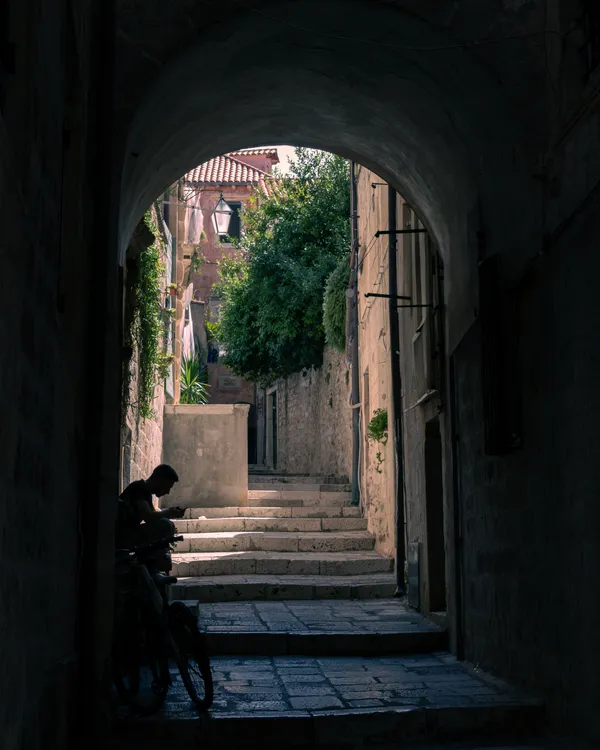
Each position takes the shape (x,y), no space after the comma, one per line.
(148,631)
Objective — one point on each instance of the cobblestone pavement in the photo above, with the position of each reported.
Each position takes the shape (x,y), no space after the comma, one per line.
(284,684)
(366,617)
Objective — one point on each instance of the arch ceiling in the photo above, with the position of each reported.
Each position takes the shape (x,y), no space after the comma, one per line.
(436,97)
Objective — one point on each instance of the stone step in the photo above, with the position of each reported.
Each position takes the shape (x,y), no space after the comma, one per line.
(298,498)
(280,563)
(274,588)
(268,511)
(344,628)
(299,487)
(276,541)
(350,702)
(266,523)
(248,643)
(253,478)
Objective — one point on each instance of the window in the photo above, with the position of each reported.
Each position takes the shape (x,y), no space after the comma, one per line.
(166,208)
(235,223)
(423,277)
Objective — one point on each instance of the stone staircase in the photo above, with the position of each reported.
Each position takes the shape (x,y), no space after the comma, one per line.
(298,537)
(309,649)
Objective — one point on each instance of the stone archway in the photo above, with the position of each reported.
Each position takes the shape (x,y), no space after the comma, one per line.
(483,114)
(384,84)
(436,100)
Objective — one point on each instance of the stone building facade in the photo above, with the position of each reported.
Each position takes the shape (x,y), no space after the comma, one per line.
(313,422)
(422,367)
(233,176)
(377,478)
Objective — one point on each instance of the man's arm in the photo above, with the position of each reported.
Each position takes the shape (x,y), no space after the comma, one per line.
(147,512)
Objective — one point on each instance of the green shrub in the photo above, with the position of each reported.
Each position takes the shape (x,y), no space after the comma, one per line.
(193,388)
(334,305)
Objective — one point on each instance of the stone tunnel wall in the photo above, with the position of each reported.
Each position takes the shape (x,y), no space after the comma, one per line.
(59,383)
(315,421)
(530,522)
(142,439)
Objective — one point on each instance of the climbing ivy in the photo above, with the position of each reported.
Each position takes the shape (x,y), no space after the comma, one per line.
(148,323)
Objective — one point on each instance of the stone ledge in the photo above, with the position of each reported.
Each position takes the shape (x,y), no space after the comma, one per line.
(208,409)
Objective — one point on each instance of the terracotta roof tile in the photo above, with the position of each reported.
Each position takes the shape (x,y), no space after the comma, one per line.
(272,152)
(226,170)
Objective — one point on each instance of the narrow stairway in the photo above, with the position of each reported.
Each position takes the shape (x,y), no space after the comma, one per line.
(308,646)
(297,537)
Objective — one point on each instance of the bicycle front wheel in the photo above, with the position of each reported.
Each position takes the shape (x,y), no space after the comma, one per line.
(193,661)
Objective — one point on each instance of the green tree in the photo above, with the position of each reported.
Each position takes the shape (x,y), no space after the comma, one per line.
(334,305)
(271,319)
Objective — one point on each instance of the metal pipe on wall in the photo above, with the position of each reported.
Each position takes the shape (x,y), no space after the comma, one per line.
(396,392)
(354,339)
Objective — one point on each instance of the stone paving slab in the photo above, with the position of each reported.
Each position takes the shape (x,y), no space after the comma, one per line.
(243,685)
(304,702)
(370,617)
(314,628)
(232,588)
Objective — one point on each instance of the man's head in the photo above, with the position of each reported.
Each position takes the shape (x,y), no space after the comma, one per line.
(162,479)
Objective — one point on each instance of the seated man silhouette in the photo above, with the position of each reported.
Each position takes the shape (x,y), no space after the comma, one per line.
(138,521)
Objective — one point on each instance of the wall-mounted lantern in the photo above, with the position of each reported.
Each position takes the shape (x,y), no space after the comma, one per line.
(222,216)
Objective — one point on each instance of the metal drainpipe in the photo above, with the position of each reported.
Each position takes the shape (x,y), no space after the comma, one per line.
(354,344)
(396,393)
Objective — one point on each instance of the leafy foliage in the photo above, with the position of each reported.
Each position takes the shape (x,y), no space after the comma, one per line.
(271,321)
(147,324)
(334,305)
(378,426)
(212,330)
(377,430)
(193,386)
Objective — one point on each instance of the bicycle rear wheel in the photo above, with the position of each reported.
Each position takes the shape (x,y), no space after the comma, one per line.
(141,676)
(193,661)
